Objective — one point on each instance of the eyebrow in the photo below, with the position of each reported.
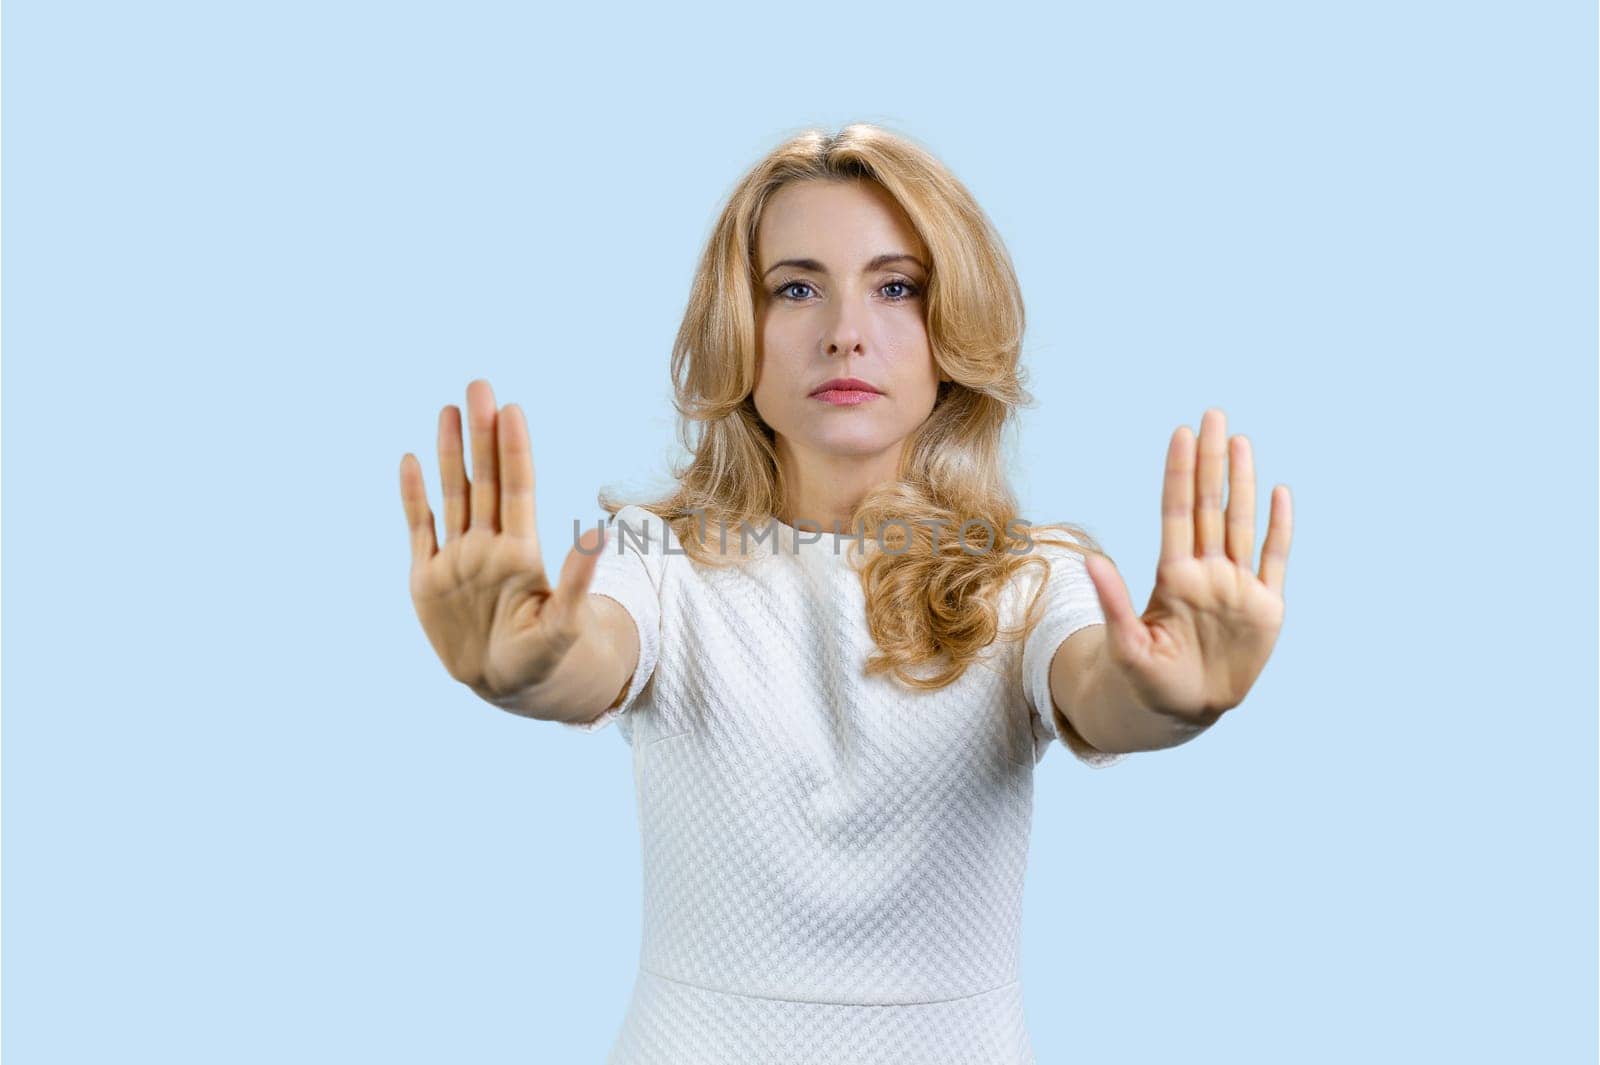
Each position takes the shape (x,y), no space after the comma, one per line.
(878,261)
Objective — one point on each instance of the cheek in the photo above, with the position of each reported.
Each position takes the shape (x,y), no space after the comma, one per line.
(913,354)
(767,343)
(777,355)
(772,376)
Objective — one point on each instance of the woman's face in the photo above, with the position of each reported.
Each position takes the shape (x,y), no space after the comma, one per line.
(841,295)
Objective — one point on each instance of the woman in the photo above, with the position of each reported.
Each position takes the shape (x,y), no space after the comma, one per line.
(834,734)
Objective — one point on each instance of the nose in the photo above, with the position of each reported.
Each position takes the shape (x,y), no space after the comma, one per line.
(844,336)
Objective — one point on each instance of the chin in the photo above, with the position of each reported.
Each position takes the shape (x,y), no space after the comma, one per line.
(857,440)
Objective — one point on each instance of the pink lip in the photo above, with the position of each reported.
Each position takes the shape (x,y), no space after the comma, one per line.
(840,386)
(844,397)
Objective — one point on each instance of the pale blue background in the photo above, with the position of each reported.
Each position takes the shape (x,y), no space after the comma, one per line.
(251,250)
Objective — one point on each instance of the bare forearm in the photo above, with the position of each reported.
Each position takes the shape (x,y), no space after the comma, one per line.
(592,676)
(1111,718)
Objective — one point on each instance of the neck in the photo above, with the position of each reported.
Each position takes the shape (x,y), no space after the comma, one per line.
(824,490)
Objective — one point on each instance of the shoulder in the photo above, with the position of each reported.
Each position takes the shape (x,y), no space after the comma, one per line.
(636,532)
(637,520)
(1060,538)
(1062,550)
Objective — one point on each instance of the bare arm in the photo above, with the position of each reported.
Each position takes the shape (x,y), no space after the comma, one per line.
(1089,697)
(593,676)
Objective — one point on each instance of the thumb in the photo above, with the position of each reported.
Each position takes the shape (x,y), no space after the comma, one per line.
(577,572)
(1123,624)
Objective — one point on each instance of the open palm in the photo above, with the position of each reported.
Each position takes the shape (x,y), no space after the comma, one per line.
(483,598)
(1211,623)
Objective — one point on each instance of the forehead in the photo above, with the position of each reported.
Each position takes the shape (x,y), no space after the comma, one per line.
(841,223)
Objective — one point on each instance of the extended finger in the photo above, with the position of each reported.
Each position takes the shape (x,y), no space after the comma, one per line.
(419,518)
(1177,498)
(452,473)
(1241,502)
(485,465)
(1213,459)
(1275,551)
(578,571)
(516,475)
(1123,622)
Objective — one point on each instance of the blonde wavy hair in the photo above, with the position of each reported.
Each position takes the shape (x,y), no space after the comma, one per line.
(926,606)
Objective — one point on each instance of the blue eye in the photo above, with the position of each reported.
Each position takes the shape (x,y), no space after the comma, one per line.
(910,290)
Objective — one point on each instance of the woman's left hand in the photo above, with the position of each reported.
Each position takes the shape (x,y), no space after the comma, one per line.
(1211,623)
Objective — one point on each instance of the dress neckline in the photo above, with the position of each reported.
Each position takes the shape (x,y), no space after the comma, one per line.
(800,542)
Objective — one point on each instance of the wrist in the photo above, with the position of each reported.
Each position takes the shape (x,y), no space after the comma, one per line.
(1123,720)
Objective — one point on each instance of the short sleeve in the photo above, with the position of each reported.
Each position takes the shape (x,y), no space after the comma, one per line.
(629,571)
(1069,604)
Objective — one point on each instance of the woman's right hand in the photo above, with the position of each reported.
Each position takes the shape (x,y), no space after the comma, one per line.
(483,599)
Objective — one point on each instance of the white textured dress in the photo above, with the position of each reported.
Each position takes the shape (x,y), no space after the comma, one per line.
(832,863)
